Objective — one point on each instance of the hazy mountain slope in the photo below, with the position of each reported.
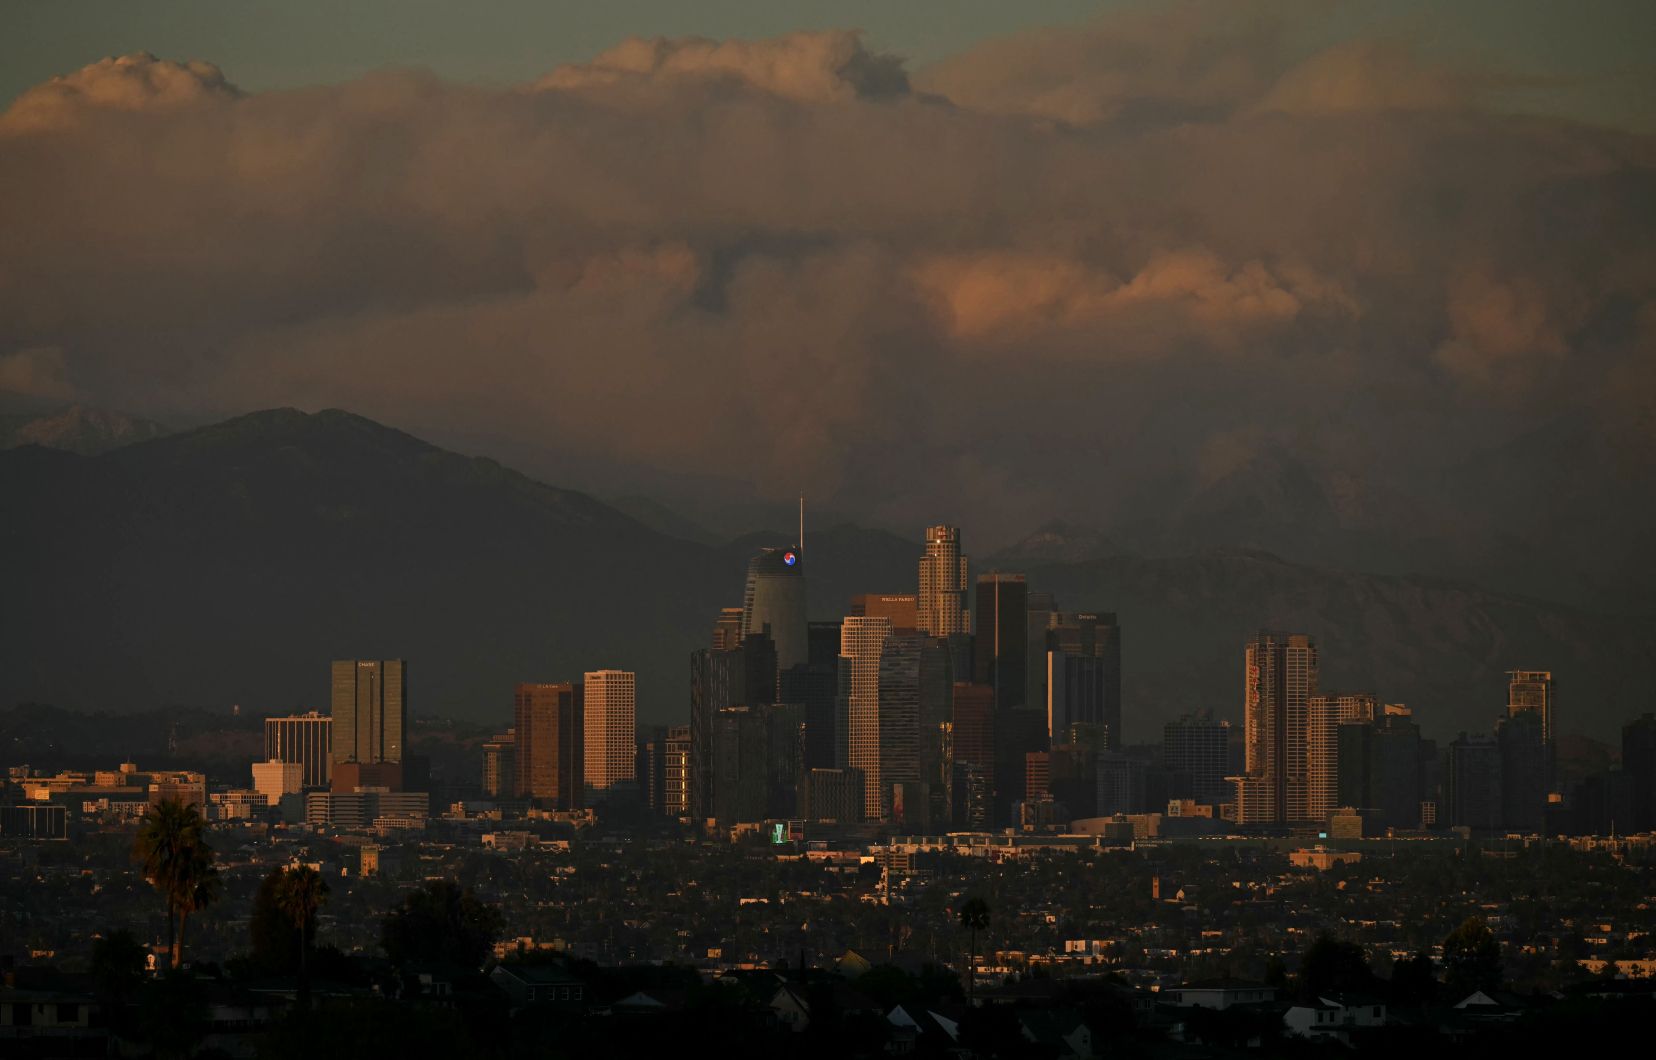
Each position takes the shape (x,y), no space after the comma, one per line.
(229,564)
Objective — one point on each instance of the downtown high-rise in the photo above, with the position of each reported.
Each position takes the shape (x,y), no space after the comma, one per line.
(773,603)
(1279,678)
(370,711)
(941,604)
(862,643)
(609,732)
(303,738)
(549,744)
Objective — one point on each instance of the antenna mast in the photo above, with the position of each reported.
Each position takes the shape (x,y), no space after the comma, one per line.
(802,524)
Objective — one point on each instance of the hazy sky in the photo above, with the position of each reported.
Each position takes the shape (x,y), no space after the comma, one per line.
(1597,51)
(1381,270)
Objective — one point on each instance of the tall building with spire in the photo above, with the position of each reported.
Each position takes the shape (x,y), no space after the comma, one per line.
(774,602)
(1279,678)
(942,599)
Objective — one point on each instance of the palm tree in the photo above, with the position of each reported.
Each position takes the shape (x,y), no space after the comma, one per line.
(300,894)
(974,917)
(172,847)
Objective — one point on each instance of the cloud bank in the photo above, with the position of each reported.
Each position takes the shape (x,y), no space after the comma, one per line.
(1050,277)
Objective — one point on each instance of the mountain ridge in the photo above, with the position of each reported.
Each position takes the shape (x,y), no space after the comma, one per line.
(229,563)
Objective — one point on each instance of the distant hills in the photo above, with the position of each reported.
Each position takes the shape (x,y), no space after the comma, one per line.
(228,564)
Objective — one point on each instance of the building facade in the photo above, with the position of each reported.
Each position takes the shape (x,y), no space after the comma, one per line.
(941,607)
(1279,678)
(609,733)
(774,602)
(550,758)
(370,710)
(306,739)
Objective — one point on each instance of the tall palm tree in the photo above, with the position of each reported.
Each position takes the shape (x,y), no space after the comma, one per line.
(974,917)
(177,862)
(300,894)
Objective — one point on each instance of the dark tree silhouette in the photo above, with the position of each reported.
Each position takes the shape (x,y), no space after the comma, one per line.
(178,862)
(441,922)
(1471,959)
(1332,965)
(974,917)
(299,893)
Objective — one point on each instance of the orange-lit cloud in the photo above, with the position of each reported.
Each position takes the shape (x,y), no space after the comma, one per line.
(794,263)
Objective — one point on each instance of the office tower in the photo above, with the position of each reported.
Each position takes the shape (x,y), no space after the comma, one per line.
(500,766)
(276,778)
(1380,768)
(862,643)
(675,794)
(651,766)
(1474,782)
(1072,770)
(1120,784)
(610,734)
(972,752)
(370,710)
(774,603)
(737,677)
(727,629)
(549,732)
(1324,714)
(1001,649)
(1090,691)
(1523,772)
(936,679)
(303,738)
(941,607)
(900,667)
(815,686)
(739,751)
(835,795)
(1194,747)
(1639,763)
(900,609)
(1040,611)
(1037,776)
(1279,676)
(1531,691)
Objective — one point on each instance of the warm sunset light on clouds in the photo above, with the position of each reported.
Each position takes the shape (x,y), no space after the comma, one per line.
(804,263)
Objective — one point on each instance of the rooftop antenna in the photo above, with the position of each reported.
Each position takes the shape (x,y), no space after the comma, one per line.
(802,524)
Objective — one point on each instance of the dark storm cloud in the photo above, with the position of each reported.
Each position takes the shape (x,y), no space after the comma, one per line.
(1154,249)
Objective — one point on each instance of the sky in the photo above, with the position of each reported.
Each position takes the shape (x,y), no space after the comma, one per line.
(1291,272)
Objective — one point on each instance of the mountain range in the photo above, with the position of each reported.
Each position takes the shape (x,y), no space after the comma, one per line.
(230,563)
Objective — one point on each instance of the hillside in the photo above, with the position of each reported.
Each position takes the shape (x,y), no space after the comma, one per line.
(230,563)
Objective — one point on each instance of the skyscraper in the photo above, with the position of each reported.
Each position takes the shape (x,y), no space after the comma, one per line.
(550,758)
(902,609)
(1091,691)
(1000,652)
(942,600)
(972,754)
(500,765)
(1639,763)
(610,734)
(1523,772)
(718,679)
(1279,676)
(370,710)
(1474,782)
(774,602)
(727,629)
(1532,690)
(1194,747)
(862,643)
(1324,714)
(303,738)
(675,794)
